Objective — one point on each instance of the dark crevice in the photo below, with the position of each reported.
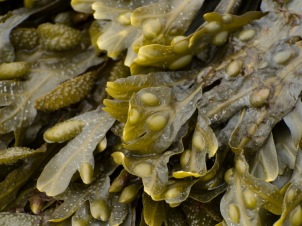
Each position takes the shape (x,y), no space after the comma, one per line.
(249,5)
(210,87)
(7,6)
(207,7)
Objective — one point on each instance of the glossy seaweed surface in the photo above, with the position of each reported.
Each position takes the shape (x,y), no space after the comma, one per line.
(148,112)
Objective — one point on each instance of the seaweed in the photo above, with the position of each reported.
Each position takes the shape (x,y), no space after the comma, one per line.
(151,113)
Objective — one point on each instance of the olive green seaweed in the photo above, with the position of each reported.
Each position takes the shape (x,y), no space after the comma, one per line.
(151,168)
(246,195)
(77,155)
(17,178)
(63,131)
(58,37)
(7,219)
(139,23)
(12,155)
(291,207)
(155,113)
(199,214)
(75,198)
(67,93)
(204,143)
(9,22)
(155,213)
(18,97)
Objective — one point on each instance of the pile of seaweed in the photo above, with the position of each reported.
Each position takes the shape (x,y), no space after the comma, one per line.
(150,112)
